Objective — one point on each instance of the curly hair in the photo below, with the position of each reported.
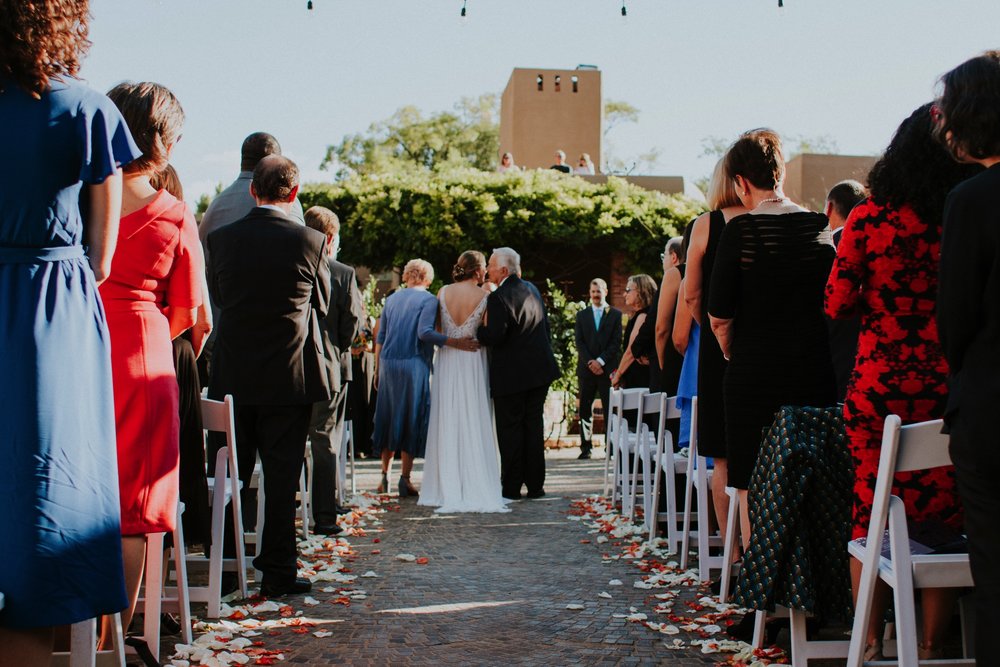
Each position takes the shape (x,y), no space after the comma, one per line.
(467,265)
(916,170)
(970,106)
(42,40)
(418,272)
(645,288)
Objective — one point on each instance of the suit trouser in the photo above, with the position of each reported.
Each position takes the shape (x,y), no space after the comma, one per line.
(326,432)
(591,386)
(977,469)
(277,433)
(521,437)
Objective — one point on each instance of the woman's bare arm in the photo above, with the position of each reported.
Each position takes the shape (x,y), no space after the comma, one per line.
(693,273)
(682,321)
(665,311)
(102,223)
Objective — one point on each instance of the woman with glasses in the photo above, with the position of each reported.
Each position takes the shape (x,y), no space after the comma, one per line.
(639,294)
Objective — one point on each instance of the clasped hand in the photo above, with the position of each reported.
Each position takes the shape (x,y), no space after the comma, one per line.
(467,344)
(595,367)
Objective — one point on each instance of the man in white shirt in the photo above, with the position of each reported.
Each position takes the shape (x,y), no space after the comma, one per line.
(598,347)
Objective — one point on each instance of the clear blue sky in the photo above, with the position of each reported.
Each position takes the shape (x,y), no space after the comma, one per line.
(850,69)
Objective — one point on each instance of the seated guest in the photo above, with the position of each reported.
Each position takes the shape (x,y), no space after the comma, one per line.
(560,164)
(766,305)
(150,298)
(886,272)
(585,167)
(507,163)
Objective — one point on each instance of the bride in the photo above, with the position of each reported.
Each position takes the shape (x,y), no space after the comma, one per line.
(461,466)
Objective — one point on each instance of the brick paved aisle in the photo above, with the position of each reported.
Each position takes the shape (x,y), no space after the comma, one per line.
(493,591)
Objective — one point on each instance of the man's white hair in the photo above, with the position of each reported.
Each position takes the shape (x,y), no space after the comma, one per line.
(509,258)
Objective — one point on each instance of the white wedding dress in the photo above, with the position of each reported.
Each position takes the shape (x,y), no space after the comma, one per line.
(462,462)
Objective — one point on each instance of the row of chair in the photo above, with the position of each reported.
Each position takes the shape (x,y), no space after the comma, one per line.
(638,457)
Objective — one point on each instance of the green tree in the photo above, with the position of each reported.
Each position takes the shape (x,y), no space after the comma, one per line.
(616,114)
(467,136)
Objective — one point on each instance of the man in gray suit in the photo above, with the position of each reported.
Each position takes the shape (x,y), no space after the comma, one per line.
(235,202)
(339,328)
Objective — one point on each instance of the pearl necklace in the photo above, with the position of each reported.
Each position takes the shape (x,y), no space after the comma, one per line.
(776,200)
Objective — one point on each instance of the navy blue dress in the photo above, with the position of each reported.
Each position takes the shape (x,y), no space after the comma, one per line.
(407,336)
(60,542)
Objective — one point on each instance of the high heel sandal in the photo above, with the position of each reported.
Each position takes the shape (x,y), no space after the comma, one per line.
(929,653)
(405,489)
(383,486)
(873,652)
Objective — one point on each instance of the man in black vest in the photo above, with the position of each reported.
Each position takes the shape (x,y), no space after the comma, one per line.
(598,348)
(270,277)
(522,367)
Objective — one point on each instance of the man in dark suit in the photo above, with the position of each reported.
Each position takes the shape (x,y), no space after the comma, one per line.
(338,330)
(598,346)
(271,279)
(522,367)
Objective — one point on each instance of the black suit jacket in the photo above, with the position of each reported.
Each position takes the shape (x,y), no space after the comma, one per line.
(341,324)
(517,333)
(592,342)
(271,280)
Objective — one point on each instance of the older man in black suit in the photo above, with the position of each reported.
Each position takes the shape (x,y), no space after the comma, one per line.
(339,328)
(598,348)
(271,279)
(522,367)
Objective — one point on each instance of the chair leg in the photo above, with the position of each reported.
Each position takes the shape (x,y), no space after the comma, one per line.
(704,558)
(304,502)
(83,649)
(760,622)
(689,486)
(218,536)
(732,534)
(349,429)
(180,567)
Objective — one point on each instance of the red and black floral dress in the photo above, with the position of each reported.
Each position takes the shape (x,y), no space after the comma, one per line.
(887,271)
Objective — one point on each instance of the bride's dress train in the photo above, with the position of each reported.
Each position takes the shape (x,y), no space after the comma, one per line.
(461,465)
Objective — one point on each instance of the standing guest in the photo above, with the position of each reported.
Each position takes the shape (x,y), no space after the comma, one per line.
(507,163)
(339,327)
(197,515)
(640,290)
(705,235)
(598,333)
(522,367)
(685,337)
(60,538)
(585,167)
(404,351)
(150,297)
(841,200)
(969,320)
(560,164)
(360,405)
(766,305)
(886,272)
(234,203)
(652,343)
(271,280)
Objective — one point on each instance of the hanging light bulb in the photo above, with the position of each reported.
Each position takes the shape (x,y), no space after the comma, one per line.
(463,9)
(624,11)
(309,5)
(781,3)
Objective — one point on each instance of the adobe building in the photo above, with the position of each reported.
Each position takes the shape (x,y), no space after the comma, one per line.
(809,176)
(545,110)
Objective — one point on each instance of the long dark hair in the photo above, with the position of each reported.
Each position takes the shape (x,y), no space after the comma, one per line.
(916,170)
(971,106)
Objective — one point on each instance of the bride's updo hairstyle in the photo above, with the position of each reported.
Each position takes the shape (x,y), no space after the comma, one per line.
(468,263)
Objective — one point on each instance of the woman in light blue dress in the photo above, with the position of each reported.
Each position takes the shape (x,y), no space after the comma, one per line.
(60,543)
(404,353)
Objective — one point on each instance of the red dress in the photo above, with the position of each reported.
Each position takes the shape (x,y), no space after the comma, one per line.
(157,263)
(887,270)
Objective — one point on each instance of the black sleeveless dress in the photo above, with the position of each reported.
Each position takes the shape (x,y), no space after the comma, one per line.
(769,276)
(711,363)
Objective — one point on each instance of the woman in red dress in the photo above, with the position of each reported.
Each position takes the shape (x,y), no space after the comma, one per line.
(886,270)
(150,297)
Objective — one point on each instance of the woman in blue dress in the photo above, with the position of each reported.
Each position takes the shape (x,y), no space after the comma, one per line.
(404,352)
(60,543)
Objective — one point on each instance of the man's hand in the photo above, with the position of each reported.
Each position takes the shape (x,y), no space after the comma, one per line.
(467,344)
(595,367)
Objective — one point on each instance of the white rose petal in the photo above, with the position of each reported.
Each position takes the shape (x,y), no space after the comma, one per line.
(322,634)
(312,602)
(615,582)
(604,594)
(574,606)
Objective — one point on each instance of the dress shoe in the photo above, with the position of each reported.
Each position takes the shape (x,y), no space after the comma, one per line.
(584,454)
(511,496)
(406,489)
(327,529)
(341,509)
(293,587)
(536,494)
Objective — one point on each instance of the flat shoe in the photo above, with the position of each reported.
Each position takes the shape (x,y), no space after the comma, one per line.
(293,587)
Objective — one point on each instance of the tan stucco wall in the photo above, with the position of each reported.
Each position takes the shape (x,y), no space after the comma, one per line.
(535,123)
(809,176)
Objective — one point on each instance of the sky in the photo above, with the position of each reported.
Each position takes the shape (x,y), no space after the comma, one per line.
(850,70)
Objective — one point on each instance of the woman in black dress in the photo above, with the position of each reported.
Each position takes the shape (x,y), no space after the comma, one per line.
(640,290)
(968,315)
(705,235)
(766,305)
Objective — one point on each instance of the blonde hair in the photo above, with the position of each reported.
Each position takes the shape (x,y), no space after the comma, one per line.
(645,288)
(721,188)
(418,272)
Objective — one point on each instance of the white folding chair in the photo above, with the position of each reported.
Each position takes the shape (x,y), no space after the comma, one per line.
(668,465)
(610,439)
(648,447)
(83,646)
(904,448)
(346,454)
(697,485)
(626,437)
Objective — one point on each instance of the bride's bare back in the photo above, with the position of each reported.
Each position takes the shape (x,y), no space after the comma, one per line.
(461,299)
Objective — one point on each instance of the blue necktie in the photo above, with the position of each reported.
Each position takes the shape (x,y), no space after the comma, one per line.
(597,318)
